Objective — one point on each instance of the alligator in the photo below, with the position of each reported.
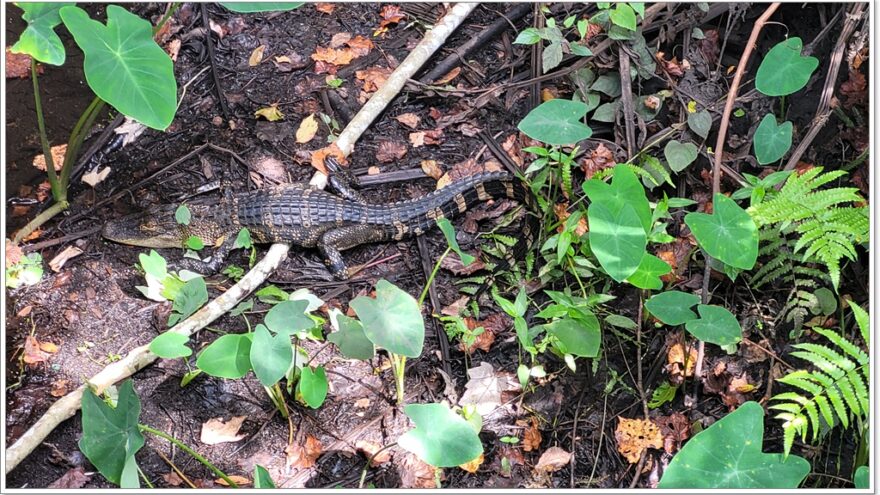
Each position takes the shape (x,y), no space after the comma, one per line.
(309,217)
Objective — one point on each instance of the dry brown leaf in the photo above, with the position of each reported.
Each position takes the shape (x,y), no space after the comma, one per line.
(548,94)
(325,8)
(239,480)
(466,168)
(63,257)
(391,15)
(390,151)
(448,77)
(362,403)
(256,56)
(469,130)
(431,169)
(483,342)
(634,436)
(333,150)
(32,352)
(410,120)
(513,149)
(304,456)
(307,129)
(13,253)
(216,430)
(456,307)
(373,77)
(172,479)
(339,39)
(531,436)
(73,479)
(374,170)
(597,159)
(454,264)
(60,388)
(25,311)
(48,347)
(18,65)
(270,113)
(562,214)
(675,359)
(414,473)
(672,67)
(423,138)
(675,429)
(173,49)
(474,465)
(95,177)
(360,45)
(552,460)
(58,152)
(332,57)
(369,449)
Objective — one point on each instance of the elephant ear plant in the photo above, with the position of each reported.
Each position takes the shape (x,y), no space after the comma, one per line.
(123,65)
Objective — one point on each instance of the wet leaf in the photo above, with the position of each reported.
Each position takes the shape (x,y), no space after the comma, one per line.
(371,451)
(390,151)
(218,430)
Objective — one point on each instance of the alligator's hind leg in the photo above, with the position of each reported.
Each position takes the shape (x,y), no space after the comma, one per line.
(336,240)
(343,181)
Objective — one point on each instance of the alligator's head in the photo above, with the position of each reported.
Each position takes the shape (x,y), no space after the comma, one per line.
(158,227)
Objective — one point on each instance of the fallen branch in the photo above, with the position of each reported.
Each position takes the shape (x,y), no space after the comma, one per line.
(140,357)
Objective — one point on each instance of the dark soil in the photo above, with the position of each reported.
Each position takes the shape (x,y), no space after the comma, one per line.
(91,310)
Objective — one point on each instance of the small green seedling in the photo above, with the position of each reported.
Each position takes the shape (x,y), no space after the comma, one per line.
(772,141)
(28,271)
(729,234)
(557,122)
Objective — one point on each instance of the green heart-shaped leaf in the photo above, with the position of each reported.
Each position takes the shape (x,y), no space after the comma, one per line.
(111,436)
(227,357)
(39,39)
(289,317)
(441,438)
(715,326)
(647,275)
(729,234)
(253,7)
(579,336)
(680,155)
(124,65)
(700,123)
(618,241)
(170,345)
(192,296)
(624,16)
(350,337)
(772,141)
(557,121)
(673,307)
(270,356)
(262,479)
(728,455)
(625,189)
(392,320)
(313,386)
(784,71)
(862,478)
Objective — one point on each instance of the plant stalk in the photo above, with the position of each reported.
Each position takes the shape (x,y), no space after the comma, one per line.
(40,219)
(189,451)
(77,136)
(44,139)
(433,274)
(398,368)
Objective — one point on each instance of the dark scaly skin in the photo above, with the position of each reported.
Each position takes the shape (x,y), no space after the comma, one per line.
(309,217)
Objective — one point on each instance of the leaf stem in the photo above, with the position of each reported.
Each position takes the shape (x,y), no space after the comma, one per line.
(433,274)
(44,139)
(189,451)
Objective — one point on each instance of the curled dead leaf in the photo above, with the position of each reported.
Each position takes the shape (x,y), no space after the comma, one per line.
(634,436)
(552,460)
(531,436)
(33,354)
(390,151)
(325,8)
(216,430)
(599,158)
(238,480)
(373,77)
(370,449)
(474,465)
(448,77)
(95,176)
(270,113)
(410,120)
(678,365)
(424,138)
(562,214)
(304,456)
(307,129)
(256,56)
(57,152)
(431,169)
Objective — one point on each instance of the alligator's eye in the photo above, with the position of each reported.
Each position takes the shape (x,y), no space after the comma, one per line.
(148,226)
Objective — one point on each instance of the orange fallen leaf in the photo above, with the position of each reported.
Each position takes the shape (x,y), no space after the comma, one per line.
(548,94)
(678,365)
(532,437)
(325,8)
(239,480)
(634,436)
(19,65)
(339,39)
(58,152)
(597,159)
(370,449)
(318,157)
(562,214)
(391,15)
(32,352)
(333,55)
(304,456)
(410,120)
(448,77)
(60,388)
(432,169)
(552,460)
(473,465)
(373,77)
(360,45)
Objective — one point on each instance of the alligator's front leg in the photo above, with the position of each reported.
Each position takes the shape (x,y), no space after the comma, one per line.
(333,241)
(207,267)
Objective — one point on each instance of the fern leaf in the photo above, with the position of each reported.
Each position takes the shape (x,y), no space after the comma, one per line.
(862,321)
(845,345)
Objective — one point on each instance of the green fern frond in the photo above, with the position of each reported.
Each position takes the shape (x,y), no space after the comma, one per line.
(827,225)
(835,391)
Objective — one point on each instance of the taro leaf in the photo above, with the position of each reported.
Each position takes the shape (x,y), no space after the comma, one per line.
(449,232)
(350,338)
(289,317)
(700,123)
(647,275)
(673,307)
(624,16)
(729,234)
(772,141)
(182,215)
(557,121)
(39,39)
(625,189)
(154,264)
(227,357)
(262,479)
(252,7)
(716,325)
(313,386)
(441,438)
(392,320)
(192,296)
(170,345)
(680,155)
(111,437)
(784,71)
(270,356)
(862,478)
(124,65)
(579,337)
(728,455)
(606,112)
(608,84)
(618,241)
